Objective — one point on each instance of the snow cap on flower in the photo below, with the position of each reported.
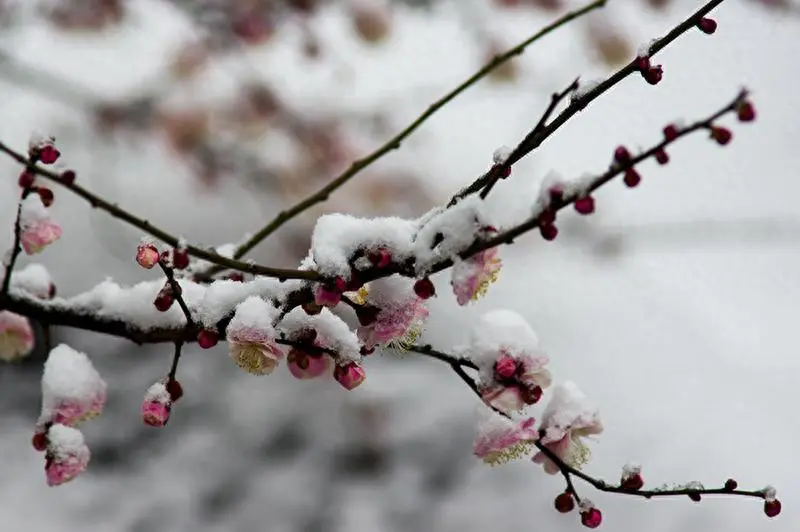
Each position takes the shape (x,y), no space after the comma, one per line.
(401,316)
(72,389)
(566,420)
(511,364)
(500,440)
(67,454)
(37,229)
(16,336)
(156,405)
(35,280)
(251,336)
(471,277)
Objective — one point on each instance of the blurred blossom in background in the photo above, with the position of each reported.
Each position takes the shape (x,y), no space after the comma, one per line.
(674,307)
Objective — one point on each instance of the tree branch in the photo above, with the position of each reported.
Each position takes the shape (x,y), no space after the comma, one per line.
(538,135)
(394,143)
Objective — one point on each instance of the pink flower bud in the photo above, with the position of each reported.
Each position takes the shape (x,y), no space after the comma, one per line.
(622,155)
(746,112)
(39,441)
(26,179)
(584,205)
(505,367)
(327,297)
(772,508)
(661,156)
(180,259)
(68,177)
(632,482)
(147,255)
(707,25)
(48,153)
(46,194)
(671,132)
(548,232)
(731,485)
(349,375)
(653,75)
(207,338)
(164,299)
(632,178)
(157,405)
(380,258)
(424,288)
(721,134)
(67,455)
(304,366)
(565,503)
(591,518)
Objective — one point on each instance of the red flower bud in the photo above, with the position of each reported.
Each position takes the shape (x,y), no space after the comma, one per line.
(424,288)
(565,503)
(707,25)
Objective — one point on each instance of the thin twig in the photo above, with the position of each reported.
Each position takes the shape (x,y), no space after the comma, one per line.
(394,143)
(17,246)
(536,138)
(117,212)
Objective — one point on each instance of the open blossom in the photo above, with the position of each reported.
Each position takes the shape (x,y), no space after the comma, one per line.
(37,230)
(512,367)
(67,454)
(72,389)
(306,365)
(16,336)
(251,337)
(156,405)
(471,277)
(400,315)
(568,419)
(500,440)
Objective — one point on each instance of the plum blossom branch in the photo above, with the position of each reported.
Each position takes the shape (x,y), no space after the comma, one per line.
(177,292)
(538,135)
(16,249)
(394,143)
(117,212)
(60,314)
(569,471)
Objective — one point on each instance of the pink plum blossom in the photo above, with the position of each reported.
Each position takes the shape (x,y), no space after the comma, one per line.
(307,366)
(67,454)
(568,419)
(147,255)
(471,277)
(400,317)
(251,337)
(500,440)
(72,389)
(16,336)
(37,229)
(156,405)
(349,375)
(326,297)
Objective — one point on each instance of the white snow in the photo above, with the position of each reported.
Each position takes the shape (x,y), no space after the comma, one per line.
(568,407)
(32,211)
(66,441)
(332,332)
(69,377)
(337,237)
(254,313)
(34,279)
(500,329)
(158,393)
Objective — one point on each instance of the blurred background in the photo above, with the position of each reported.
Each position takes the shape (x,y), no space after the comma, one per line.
(675,306)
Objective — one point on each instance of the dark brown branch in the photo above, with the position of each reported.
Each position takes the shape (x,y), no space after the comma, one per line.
(568,471)
(536,138)
(394,143)
(121,214)
(428,350)
(17,246)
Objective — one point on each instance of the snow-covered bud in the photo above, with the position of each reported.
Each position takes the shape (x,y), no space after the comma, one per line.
(631,477)
(67,454)
(251,337)
(590,516)
(72,389)
(147,255)
(156,405)
(16,336)
(505,367)
(37,229)
(653,75)
(349,375)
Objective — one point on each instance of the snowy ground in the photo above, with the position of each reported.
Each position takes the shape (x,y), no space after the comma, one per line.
(673,307)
